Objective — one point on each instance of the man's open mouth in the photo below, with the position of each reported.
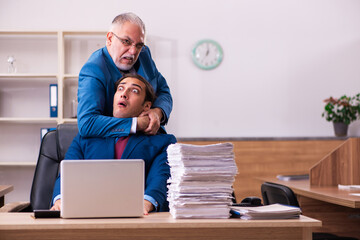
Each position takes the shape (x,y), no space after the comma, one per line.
(128,58)
(123,104)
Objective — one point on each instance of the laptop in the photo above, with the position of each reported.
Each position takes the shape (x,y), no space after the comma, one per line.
(102,188)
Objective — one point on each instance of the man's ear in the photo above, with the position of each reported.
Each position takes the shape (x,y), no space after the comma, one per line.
(147,105)
(109,38)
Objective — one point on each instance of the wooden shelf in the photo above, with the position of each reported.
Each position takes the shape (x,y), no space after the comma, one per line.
(71,76)
(100,33)
(25,120)
(54,33)
(69,120)
(26,76)
(17,164)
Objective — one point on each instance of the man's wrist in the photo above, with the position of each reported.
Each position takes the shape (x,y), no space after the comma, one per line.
(152,201)
(57,198)
(161,115)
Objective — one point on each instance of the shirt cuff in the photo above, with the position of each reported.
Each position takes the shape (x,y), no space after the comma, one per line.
(133,125)
(152,200)
(56,198)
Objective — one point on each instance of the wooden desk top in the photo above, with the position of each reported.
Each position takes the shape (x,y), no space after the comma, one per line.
(159,226)
(4,189)
(326,194)
(25,221)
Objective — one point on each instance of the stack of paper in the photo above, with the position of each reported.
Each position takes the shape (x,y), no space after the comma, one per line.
(273,211)
(201,180)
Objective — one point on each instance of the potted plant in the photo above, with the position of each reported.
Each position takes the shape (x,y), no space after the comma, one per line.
(342,112)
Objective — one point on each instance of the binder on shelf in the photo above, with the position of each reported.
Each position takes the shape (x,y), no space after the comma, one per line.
(43,131)
(53,97)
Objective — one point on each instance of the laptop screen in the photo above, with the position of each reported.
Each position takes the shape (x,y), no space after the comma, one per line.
(102,188)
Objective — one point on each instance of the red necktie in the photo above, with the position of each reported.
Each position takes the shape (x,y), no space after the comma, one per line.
(120,146)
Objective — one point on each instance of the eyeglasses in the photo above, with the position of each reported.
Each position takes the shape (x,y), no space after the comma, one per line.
(129,43)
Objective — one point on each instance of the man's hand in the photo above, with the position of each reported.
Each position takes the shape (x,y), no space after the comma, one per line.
(155,116)
(57,205)
(148,207)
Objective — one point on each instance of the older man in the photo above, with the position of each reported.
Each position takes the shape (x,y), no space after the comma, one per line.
(124,53)
(134,97)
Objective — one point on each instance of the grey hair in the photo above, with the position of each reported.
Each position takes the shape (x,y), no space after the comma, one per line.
(128,17)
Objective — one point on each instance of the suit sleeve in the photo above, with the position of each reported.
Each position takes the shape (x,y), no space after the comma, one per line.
(164,98)
(95,93)
(156,181)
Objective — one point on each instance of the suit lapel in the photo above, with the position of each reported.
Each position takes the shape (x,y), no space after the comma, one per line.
(110,144)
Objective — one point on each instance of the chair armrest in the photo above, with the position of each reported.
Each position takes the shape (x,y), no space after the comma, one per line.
(14,207)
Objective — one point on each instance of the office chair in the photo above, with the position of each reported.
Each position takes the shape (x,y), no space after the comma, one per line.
(52,151)
(251,201)
(276,193)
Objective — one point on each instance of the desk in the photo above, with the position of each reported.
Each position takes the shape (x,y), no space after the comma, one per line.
(160,226)
(4,189)
(338,211)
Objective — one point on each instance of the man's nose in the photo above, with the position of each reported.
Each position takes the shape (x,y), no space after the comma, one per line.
(124,94)
(133,50)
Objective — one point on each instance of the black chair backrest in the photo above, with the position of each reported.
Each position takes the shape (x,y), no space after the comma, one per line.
(52,151)
(277,193)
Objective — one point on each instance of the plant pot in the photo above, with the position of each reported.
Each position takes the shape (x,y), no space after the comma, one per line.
(340,129)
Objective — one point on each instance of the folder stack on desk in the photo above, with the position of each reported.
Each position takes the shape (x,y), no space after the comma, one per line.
(201,180)
(273,211)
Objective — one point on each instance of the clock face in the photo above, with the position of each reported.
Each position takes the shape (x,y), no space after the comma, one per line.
(207,54)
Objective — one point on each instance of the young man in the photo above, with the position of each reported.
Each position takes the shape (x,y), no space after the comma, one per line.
(125,52)
(134,97)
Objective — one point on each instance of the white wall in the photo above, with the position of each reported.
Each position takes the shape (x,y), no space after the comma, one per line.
(281,57)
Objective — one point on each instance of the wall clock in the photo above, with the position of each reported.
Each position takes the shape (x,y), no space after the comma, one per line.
(207,54)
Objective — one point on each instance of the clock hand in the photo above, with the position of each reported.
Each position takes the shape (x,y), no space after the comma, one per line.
(207,51)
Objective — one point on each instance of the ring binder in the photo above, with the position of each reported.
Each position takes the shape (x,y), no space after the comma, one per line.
(53,100)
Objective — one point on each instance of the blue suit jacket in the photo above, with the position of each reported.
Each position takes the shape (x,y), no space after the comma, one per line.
(96,91)
(152,149)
